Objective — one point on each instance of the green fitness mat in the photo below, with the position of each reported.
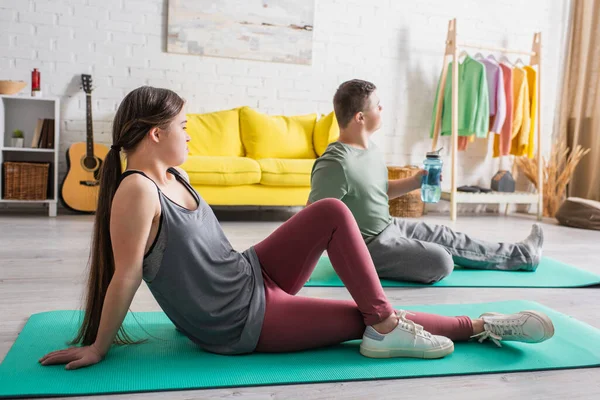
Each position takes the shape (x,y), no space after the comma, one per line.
(169,361)
(549,274)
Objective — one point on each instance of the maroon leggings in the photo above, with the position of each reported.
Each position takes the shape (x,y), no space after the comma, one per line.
(288,257)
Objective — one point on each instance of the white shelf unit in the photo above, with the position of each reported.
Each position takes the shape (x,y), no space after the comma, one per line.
(493,197)
(21,112)
(503,199)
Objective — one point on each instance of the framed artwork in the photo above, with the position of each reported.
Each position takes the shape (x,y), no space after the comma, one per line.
(265,30)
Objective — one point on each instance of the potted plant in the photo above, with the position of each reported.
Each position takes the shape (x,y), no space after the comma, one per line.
(17,138)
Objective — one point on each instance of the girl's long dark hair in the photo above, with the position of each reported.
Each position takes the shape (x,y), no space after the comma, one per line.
(141,110)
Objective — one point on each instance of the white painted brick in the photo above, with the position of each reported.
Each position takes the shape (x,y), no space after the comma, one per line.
(7,15)
(234,69)
(58,89)
(16,52)
(262,92)
(116,26)
(181,77)
(18,5)
(279,83)
(141,6)
(71,106)
(48,55)
(142,51)
(147,73)
(230,90)
(106,105)
(105,71)
(118,15)
(164,83)
(155,19)
(154,42)
(247,81)
(23,65)
(74,45)
(113,49)
(217,79)
(7,40)
(5,63)
(76,22)
(130,38)
(75,125)
(149,29)
(129,82)
(130,62)
(71,69)
(51,6)
(293,94)
(109,4)
(97,81)
(265,71)
(202,68)
(35,42)
(165,62)
(103,92)
(14,74)
(37,18)
(17,27)
(61,32)
(90,12)
(91,34)
(92,59)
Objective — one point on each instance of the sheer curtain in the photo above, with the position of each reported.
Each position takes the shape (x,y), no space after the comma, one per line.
(579,121)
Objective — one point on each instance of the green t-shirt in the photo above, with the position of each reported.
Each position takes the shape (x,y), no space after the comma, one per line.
(357,177)
(473,101)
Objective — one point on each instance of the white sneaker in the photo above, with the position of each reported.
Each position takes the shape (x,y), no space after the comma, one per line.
(406,340)
(525,326)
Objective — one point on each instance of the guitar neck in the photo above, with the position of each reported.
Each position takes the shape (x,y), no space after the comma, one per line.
(89,129)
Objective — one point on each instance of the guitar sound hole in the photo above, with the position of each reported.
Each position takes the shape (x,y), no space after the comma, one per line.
(90,163)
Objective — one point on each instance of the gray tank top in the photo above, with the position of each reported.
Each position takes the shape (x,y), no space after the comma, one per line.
(212,293)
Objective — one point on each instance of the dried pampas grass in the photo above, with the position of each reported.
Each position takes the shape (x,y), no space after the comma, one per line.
(558,170)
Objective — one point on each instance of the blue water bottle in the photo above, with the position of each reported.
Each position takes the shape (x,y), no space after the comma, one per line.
(431,185)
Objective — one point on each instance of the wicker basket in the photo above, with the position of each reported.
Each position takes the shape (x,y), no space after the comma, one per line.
(410,205)
(25,181)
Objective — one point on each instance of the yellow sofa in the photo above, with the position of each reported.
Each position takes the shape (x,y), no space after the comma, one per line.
(241,157)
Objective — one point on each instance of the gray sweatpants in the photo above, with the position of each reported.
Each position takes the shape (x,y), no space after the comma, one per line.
(414,251)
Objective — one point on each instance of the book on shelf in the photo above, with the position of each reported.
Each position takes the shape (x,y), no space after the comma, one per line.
(43,135)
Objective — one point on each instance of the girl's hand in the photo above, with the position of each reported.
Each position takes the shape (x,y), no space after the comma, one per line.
(74,357)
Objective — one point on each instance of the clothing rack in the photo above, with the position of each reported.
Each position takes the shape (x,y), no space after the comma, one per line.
(455,197)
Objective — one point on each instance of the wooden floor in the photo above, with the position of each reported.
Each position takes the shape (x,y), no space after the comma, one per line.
(42,268)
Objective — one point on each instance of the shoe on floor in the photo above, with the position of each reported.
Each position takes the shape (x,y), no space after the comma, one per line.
(406,340)
(525,326)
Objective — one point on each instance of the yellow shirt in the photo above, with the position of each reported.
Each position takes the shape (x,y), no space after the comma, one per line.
(521,114)
(532,83)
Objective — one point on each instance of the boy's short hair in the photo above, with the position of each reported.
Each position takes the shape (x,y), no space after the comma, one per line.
(350,98)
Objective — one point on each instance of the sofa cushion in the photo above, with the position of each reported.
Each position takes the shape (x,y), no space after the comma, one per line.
(215,134)
(266,136)
(222,171)
(326,131)
(285,172)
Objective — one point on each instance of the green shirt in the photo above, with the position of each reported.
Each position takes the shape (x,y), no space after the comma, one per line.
(473,101)
(359,178)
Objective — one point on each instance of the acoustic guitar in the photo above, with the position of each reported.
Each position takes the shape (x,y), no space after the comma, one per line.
(81,184)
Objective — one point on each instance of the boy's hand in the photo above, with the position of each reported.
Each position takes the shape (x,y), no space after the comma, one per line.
(423,172)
